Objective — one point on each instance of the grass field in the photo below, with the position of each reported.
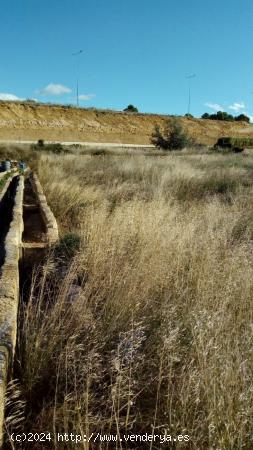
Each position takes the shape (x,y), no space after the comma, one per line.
(142,319)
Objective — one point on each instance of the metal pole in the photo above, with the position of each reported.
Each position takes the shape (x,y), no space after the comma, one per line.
(189,99)
(77,93)
(189,78)
(77,80)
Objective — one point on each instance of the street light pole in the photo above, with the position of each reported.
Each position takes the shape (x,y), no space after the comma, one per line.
(77,93)
(77,80)
(189,78)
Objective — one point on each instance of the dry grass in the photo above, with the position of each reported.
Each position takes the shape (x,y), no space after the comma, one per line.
(16,152)
(149,326)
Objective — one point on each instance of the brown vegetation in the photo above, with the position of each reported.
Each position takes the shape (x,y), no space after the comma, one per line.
(146,323)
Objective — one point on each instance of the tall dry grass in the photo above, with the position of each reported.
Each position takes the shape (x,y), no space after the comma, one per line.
(149,326)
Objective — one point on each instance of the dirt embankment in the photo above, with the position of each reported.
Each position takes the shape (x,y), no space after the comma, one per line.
(28,121)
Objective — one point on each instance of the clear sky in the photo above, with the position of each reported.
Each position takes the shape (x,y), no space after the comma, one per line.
(134,51)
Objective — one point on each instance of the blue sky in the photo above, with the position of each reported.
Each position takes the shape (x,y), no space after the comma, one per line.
(134,51)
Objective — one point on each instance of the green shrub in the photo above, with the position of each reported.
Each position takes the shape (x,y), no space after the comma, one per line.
(40,143)
(242,118)
(158,140)
(235,144)
(172,138)
(220,115)
(68,246)
(131,108)
(3,180)
(99,152)
(56,148)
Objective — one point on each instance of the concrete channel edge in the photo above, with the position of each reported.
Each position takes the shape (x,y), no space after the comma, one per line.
(9,296)
(9,277)
(48,216)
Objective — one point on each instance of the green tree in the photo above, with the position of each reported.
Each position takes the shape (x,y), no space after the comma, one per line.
(242,118)
(222,115)
(173,136)
(131,108)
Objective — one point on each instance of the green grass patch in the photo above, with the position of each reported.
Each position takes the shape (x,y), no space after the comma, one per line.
(3,181)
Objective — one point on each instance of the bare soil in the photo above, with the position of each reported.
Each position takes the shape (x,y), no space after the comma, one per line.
(28,121)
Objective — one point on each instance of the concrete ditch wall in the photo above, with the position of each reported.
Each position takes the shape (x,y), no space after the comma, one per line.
(48,216)
(9,275)
(9,295)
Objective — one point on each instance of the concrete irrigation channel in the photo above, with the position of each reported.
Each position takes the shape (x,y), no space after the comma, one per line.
(27,228)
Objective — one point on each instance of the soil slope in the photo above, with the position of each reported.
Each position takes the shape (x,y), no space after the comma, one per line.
(28,121)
